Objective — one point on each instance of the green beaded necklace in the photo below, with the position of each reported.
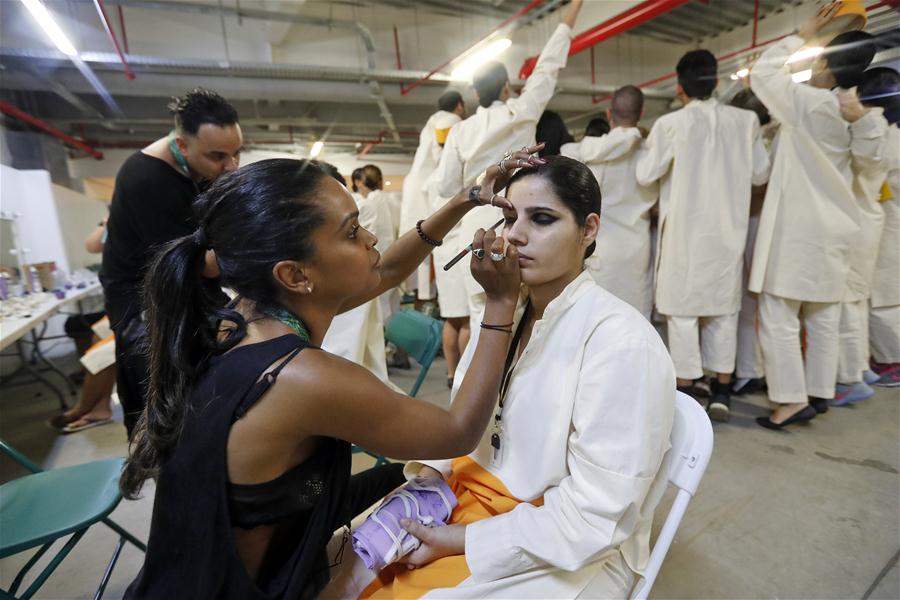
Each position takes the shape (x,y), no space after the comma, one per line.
(289,319)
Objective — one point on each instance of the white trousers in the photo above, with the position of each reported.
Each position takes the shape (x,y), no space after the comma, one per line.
(779,334)
(749,353)
(423,280)
(451,285)
(853,347)
(698,343)
(884,334)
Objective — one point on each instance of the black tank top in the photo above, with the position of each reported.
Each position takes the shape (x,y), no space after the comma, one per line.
(191,551)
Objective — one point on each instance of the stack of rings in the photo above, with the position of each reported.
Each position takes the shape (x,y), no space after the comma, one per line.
(497,256)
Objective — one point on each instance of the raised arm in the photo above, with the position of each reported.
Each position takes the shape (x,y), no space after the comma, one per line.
(405,255)
(770,77)
(336,398)
(541,84)
(656,161)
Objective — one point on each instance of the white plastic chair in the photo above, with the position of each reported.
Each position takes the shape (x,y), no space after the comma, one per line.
(692,445)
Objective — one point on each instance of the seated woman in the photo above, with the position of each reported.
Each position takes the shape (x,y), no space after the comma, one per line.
(248,423)
(557,499)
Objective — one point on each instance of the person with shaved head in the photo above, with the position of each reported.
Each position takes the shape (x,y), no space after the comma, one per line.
(621,261)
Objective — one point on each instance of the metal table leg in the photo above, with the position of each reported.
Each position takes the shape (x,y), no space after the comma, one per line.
(26,364)
(36,352)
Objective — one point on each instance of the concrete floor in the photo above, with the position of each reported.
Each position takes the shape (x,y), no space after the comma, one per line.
(814,513)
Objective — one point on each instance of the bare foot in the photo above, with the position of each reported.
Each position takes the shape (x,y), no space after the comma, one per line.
(785,412)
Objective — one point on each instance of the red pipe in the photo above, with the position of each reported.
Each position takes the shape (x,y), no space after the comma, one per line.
(122,28)
(381,135)
(399,64)
(522,11)
(14,112)
(129,74)
(634,16)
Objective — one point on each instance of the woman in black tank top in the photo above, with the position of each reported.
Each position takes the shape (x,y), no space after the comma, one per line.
(248,424)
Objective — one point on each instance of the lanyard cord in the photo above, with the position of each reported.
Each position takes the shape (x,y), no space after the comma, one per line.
(510,355)
(181,160)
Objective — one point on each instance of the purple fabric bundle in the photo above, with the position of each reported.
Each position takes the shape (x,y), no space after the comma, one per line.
(380,540)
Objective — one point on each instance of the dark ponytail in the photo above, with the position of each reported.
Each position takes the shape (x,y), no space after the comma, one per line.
(573,183)
(253,218)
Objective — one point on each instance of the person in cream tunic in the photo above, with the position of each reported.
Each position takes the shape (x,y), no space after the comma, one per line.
(558,497)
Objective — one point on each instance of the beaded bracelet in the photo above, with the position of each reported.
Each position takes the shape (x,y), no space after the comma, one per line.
(505,328)
(425,237)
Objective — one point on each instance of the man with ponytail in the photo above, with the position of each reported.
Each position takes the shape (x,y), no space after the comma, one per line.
(151,205)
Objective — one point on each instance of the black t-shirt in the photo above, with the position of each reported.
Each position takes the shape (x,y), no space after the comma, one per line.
(151,205)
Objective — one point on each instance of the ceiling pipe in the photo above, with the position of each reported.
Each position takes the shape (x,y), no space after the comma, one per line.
(629,19)
(533,4)
(8,109)
(173,66)
(98,4)
(279,17)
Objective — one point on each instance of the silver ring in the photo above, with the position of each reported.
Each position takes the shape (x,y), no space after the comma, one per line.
(478,253)
(502,166)
(492,199)
(497,256)
(519,163)
(524,149)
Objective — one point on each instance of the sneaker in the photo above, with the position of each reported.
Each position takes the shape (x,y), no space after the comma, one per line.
(697,392)
(882,368)
(889,379)
(746,385)
(720,403)
(870,376)
(853,392)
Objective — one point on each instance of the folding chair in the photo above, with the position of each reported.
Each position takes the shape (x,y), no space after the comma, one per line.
(692,445)
(418,335)
(40,508)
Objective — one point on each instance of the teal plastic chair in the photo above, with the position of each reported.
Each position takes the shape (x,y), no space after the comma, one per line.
(40,508)
(418,335)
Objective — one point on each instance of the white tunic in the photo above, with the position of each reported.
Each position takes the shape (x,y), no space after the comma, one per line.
(810,216)
(706,157)
(415,205)
(375,215)
(621,262)
(593,448)
(886,280)
(869,173)
(482,139)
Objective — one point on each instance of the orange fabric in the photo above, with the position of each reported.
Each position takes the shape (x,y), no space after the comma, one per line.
(480,495)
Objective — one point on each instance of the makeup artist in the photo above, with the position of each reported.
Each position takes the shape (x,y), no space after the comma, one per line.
(248,424)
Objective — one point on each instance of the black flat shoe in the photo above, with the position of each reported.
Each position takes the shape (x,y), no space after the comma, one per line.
(807,414)
(819,404)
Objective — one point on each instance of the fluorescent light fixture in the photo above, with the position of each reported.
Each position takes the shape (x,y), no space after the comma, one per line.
(805,54)
(801,76)
(740,74)
(470,64)
(48,24)
(316,149)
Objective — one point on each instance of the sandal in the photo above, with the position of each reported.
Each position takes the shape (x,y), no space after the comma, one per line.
(85,423)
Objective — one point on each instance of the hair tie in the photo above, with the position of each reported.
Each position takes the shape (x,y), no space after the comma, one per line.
(200,238)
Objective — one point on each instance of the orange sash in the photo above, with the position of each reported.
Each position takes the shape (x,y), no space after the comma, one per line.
(480,495)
